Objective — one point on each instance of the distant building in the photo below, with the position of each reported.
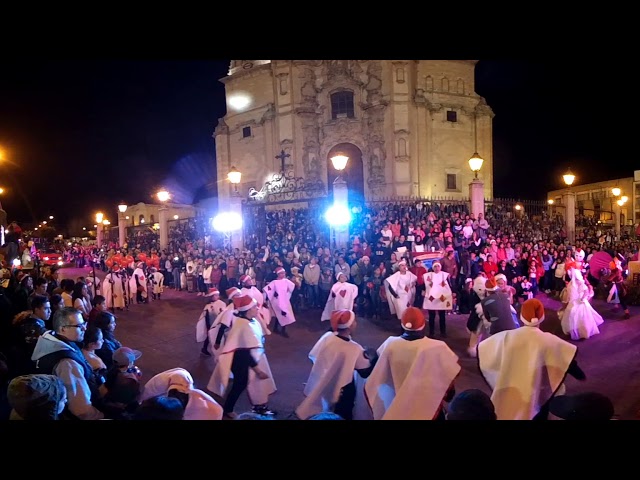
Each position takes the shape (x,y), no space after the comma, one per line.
(597,200)
(147,213)
(408,127)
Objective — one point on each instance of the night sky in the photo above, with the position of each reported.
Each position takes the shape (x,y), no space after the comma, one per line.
(79,137)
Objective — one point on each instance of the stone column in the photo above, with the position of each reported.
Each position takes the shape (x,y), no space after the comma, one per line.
(617,211)
(164,227)
(569,202)
(476,197)
(122,228)
(237,236)
(99,234)
(341,197)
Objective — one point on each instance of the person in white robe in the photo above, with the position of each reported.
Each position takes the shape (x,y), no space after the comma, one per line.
(243,358)
(526,367)
(414,375)
(248,288)
(438,297)
(222,323)
(209,313)
(401,289)
(336,359)
(157,283)
(579,319)
(278,294)
(342,296)
(113,290)
(206,274)
(178,383)
(138,284)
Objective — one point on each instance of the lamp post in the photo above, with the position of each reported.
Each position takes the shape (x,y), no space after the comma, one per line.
(105,224)
(99,218)
(569,201)
(616,204)
(122,237)
(163,197)
(476,187)
(340,202)
(234,208)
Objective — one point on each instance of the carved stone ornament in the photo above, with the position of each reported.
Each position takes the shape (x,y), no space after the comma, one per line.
(483,109)
(221,127)
(269,114)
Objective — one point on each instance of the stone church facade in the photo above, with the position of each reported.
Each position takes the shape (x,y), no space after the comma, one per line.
(408,127)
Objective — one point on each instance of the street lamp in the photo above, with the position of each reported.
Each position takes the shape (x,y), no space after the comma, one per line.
(122,208)
(620,203)
(569,201)
(163,196)
(99,217)
(569,178)
(339,215)
(122,234)
(616,191)
(475,163)
(550,201)
(624,199)
(234,177)
(339,162)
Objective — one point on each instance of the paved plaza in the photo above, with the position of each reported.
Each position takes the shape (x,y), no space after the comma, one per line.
(164,331)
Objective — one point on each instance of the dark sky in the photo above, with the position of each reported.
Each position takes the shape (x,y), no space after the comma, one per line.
(83,136)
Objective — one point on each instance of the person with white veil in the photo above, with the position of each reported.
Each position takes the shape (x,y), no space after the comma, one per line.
(579,319)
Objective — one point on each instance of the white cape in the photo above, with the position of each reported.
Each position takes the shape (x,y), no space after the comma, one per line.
(280,307)
(397,306)
(214,309)
(442,295)
(345,295)
(264,316)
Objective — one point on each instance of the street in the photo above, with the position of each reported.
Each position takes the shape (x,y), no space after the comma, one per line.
(164,330)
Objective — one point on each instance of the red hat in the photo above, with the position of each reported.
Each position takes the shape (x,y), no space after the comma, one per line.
(532,312)
(208,261)
(569,265)
(341,319)
(280,270)
(244,279)
(232,292)
(212,291)
(242,303)
(490,285)
(413,319)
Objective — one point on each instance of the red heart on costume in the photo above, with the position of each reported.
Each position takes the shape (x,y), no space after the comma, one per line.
(343,293)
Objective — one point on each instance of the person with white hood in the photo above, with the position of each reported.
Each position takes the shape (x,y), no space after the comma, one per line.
(526,367)
(342,296)
(178,383)
(243,358)
(138,284)
(209,313)
(438,297)
(414,374)
(264,317)
(401,289)
(336,360)
(223,322)
(278,293)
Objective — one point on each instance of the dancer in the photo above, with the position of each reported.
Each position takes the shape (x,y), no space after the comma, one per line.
(579,319)
(400,289)
(113,290)
(264,317)
(437,298)
(278,294)
(525,367)
(616,279)
(138,284)
(341,297)
(209,313)
(222,322)
(157,283)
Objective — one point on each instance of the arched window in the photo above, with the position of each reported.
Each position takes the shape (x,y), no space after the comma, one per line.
(342,105)
(461,86)
(445,84)
(429,83)
(141,218)
(402,147)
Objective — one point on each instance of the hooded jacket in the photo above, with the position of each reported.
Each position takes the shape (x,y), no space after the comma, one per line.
(55,356)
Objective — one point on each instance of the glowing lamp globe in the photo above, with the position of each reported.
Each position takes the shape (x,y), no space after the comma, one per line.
(550,201)
(234,176)
(122,208)
(569,178)
(163,195)
(616,191)
(338,216)
(339,162)
(624,199)
(620,203)
(475,163)
(99,217)
(518,207)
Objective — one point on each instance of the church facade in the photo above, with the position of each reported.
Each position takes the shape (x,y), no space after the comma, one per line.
(408,127)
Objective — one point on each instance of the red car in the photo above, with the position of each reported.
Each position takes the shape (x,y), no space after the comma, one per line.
(51,258)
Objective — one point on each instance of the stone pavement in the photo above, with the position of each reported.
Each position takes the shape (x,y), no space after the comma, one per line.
(164,331)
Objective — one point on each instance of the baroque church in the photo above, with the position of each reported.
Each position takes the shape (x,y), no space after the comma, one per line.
(408,127)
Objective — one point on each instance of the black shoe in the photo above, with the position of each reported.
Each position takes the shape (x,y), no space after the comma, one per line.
(284,333)
(263,410)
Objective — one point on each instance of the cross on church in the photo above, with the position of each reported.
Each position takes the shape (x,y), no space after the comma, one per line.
(282,158)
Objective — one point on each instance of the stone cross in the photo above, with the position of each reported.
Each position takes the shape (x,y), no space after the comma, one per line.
(282,156)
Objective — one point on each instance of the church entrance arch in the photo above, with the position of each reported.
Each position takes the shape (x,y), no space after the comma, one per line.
(353,173)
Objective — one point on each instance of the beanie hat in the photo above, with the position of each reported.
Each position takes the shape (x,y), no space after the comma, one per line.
(500,276)
(244,279)
(212,291)
(532,312)
(36,397)
(339,274)
(242,303)
(413,319)
(280,270)
(342,319)
(232,292)
(490,285)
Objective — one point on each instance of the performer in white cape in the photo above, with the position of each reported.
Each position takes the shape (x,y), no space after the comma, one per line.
(264,317)
(278,294)
(336,359)
(178,383)
(401,289)
(413,376)
(525,367)
(138,284)
(579,319)
(243,358)
(157,282)
(209,313)
(342,296)
(438,297)
(222,323)
(113,290)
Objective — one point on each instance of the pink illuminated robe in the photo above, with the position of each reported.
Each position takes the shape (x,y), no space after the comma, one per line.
(280,306)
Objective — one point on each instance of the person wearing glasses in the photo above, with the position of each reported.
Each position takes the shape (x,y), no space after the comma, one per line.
(57,353)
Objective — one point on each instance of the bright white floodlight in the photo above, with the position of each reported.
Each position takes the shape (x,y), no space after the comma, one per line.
(338,215)
(227,222)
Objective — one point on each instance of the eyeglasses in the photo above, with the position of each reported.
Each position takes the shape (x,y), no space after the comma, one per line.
(77,325)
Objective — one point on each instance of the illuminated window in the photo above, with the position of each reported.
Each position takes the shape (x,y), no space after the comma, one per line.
(342,105)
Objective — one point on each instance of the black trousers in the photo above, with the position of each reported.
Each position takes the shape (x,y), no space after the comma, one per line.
(242,362)
(432,321)
(207,321)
